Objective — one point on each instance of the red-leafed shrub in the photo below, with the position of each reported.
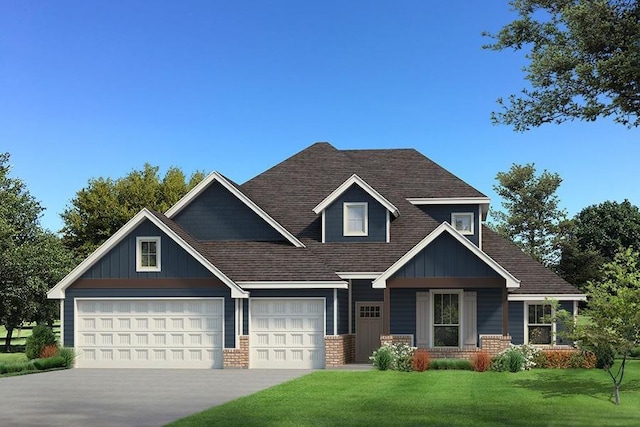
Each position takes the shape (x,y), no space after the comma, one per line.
(48,350)
(568,359)
(421,359)
(481,361)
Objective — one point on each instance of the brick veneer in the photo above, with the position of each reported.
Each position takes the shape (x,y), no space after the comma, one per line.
(237,357)
(339,349)
(396,339)
(494,344)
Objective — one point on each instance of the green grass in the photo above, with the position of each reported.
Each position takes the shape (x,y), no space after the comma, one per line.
(12,358)
(440,398)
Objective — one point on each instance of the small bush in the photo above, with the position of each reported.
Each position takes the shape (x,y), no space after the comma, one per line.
(68,355)
(11,368)
(41,336)
(421,359)
(540,359)
(400,355)
(382,358)
(635,352)
(49,350)
(563,359)
(49,363)
(481,361)
(515,358)
(451,364)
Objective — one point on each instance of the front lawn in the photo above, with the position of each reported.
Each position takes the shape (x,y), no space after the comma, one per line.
(12,358)
(549,397)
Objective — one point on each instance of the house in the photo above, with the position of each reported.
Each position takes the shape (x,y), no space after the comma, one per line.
(313,263)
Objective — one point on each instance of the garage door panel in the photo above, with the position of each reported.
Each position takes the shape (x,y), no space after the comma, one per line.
(139,334)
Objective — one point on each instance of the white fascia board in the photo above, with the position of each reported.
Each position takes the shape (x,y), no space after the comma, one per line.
(381,282)
(346,275)
(355,179)
(542,297)
(57,292)
(295,285)
(482,201)
(216,177)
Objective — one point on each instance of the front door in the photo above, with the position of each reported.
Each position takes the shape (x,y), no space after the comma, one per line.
(368,329)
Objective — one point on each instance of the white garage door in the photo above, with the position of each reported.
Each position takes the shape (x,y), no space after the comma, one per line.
(149,333)
(287,333)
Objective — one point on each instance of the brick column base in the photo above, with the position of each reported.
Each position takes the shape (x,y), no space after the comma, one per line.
(237,357)
(339,349)
(494,344)
(396,339)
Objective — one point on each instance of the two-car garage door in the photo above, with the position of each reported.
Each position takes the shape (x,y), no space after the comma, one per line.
(149,333)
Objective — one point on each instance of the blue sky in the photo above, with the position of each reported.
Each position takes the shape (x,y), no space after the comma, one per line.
(90,89)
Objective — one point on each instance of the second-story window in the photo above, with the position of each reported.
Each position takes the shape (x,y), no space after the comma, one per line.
(463,222)
(356,220)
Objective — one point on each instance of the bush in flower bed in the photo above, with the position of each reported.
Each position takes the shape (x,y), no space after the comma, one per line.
(63,359)
(421,360)
(398,357)
(481,361)
(515,358)
(451,364)
(565,359)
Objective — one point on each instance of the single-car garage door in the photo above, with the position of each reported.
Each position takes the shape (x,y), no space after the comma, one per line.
(149,333)
(287,333)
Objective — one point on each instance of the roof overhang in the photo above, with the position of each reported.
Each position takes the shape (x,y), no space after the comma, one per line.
(482,201)
(329,284)
(58,291)
(366,275)
(355,179)
(542,297)
(217,177)
(445,227)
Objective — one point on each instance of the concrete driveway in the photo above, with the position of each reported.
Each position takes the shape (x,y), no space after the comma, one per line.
(125,397)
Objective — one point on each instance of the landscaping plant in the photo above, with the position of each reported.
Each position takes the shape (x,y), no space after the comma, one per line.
(41,336)
(421,360)
(481,361)
(398,357)
(515,358)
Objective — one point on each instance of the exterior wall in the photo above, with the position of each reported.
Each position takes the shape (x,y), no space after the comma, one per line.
(403,311)
(442,213)
(397,339)
(120,262)
(343,311)
(71,294)
(445,257)
(516,321)
(216,214)
(237,357)
(489,311)
(339,349)
(334,218)
(361,290)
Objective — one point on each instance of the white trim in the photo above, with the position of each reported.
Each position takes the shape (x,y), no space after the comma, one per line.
(355,179)
(216,177)
(553,324)
(337,284)
(388,227)
(158,242)
(432,311)
(350,301)
(462,214)
(345,219)
(542,297)
(482,201)
(324,227)
(381,281)
(335,311)
(62,323)
(57,292)
(358,275)
(480,227)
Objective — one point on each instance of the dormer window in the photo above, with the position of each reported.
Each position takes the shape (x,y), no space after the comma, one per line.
(148,254)
(462,222)
(356,220)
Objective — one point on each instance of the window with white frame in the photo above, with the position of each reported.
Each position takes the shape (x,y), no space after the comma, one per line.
(356,220)
(539,324)
(463,222)
(446,319)
(148,254)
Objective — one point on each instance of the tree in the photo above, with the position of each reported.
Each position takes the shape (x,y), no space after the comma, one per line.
(583,62)
(532,218)
(105,205)
(32,260)
(596,235)
(614,304)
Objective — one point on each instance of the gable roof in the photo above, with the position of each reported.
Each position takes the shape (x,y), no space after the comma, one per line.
(187,243)
(356,180)
(445,227)
(233,189)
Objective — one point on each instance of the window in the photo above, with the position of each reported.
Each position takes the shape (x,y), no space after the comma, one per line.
(356,221)
(463,222)
(446,319)
(540,324)
(148,254)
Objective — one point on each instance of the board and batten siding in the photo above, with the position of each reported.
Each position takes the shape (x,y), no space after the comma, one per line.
(343,311)
(216,214)
(442,213)
(334,217)
(71,294)
(120,261)
(516,322)
(445,257)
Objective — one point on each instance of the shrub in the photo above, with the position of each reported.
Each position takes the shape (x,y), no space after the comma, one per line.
(400,355)
(11,368)
(49,350)
(564,359)
(41,336)
(481,361)
(68,355)
(635,352)
(49,363)
(382,358)
(421,359)
(515,358)
(451,364)
(540,359)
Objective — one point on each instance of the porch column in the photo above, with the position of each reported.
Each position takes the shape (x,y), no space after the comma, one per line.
(505,312)
(386,312)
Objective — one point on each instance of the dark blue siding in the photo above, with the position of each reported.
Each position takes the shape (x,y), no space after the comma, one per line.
(403,311)
(516,322)
(445,257)
(120,261)
(362,291)
(245,318)
(229,305)
(343,311)
(442,213)
(334,218)
(216,214)
(489,311)
(302,293)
